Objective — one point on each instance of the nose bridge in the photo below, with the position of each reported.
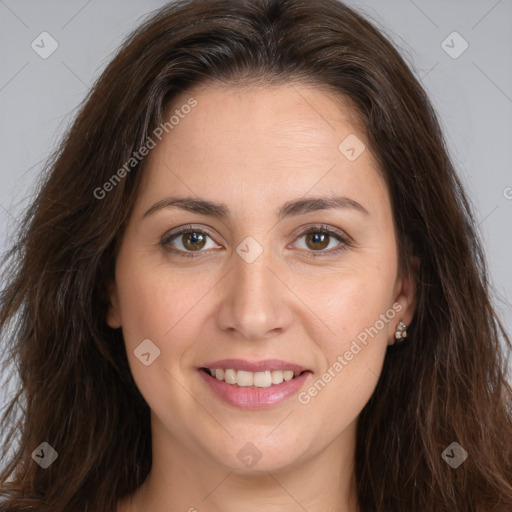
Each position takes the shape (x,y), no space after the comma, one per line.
(254,281)
(254,304)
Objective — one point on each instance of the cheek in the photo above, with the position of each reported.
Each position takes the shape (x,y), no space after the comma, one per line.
(357,307)
(167,306)
(156,301)
(350,299)
(163,306)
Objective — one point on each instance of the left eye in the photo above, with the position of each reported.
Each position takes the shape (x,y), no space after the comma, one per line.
(320,240)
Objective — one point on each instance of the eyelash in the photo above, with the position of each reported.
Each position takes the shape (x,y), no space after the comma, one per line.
(321,228)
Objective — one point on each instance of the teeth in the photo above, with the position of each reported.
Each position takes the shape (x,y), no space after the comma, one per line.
(262,379)
(230,376)
(277,377)
(244,378)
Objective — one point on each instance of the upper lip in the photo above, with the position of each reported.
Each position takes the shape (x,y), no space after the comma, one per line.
(254,366)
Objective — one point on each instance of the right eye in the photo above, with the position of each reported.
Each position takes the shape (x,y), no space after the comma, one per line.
(188,240)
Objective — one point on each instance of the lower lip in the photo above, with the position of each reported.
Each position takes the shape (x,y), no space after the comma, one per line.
(254,398)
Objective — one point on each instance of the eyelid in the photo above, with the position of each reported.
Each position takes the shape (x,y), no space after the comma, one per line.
(331,230)
(186,228)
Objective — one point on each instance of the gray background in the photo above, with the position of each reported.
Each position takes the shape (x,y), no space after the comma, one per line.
(472,93)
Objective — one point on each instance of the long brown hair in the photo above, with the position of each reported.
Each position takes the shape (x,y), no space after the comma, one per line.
(446,384)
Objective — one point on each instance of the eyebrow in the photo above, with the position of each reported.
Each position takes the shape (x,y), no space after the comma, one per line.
(288,209)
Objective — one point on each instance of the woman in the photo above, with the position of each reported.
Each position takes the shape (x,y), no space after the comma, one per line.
(251,280)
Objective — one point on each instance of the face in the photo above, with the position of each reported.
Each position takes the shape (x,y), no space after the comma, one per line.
(228,263)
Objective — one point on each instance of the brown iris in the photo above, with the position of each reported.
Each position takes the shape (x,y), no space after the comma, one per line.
(193,240)
(317,240)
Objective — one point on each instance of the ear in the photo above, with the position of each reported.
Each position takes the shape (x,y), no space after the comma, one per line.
(405,296)
(114,312)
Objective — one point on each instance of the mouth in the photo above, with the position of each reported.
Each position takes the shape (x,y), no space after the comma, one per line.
(248,379)
(254,385)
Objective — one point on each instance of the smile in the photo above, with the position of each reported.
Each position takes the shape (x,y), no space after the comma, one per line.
(254,385)
(244,378)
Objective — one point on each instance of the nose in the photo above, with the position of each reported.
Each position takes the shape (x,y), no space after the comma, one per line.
(255,303)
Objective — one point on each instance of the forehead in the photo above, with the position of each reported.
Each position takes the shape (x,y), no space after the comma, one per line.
(280,115)
(255,139)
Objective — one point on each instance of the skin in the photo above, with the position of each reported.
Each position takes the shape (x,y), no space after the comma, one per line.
(254,149)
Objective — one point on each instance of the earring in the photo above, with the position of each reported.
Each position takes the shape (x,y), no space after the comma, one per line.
(401,332)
